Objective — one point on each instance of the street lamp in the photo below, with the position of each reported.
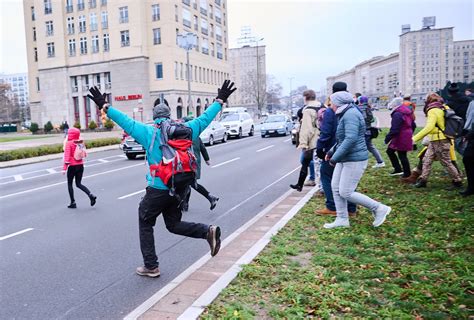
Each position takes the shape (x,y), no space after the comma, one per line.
(258,76)
(187,42)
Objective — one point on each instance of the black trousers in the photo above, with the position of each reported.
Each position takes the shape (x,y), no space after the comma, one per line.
(76,172)
(468,161)
(199,188)
(154,203)
(306,160)
(392,154)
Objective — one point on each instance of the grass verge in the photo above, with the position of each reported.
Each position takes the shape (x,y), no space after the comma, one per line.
(24,153)
(418,264)
(10,139)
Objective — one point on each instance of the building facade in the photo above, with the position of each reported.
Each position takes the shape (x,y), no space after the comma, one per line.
(427,60)
(19,91)
(129,50)
(248,70)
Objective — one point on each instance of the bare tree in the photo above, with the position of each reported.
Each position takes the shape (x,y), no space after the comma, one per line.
(254,87)
(9,107)
(274,90)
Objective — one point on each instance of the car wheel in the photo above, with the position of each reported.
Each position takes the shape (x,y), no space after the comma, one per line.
(263,136)
(131,156)
(211,140)
(251,131)
(224,138)
(239,136)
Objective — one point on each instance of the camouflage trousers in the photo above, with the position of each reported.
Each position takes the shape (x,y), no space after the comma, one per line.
(439,150)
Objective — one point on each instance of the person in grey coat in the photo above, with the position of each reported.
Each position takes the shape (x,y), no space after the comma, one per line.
(350,158)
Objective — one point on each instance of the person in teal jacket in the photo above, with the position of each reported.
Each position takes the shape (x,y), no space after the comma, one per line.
(157,199)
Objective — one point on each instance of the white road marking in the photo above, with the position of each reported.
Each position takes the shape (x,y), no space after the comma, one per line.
(15,234)
(122,156)
(228,143)
(131,194)
(103,160)
(51,171)
(226,162)
(59,183)
(17,177)
(266,148)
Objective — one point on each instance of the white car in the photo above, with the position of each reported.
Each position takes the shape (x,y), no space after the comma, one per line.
(238,124)
(213,133)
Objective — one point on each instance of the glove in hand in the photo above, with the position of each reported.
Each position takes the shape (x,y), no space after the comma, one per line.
(226,90)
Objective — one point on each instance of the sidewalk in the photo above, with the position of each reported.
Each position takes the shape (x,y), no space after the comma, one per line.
(48,139)
(187,295)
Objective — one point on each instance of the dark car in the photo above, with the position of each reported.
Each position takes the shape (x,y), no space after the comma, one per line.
(132,148)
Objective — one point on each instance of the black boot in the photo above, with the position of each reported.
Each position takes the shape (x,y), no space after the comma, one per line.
(467,192)
(456,185)
(93,199)
(421,183)
(72,205)
(213,200)
(296,187)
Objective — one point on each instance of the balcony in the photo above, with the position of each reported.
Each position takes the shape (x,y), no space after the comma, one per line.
(203,11)
(69,9)
(80,6)
(123,20)
(105,25)
(125,43)
(92,4)
(155,17)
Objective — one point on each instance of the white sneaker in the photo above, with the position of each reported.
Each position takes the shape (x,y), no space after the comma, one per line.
(379,165)
(381,214)
(338,223)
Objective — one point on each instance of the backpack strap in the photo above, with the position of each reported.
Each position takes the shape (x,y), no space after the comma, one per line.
(153,137)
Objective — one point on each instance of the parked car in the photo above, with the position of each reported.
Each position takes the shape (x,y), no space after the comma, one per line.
(130,147)
(238,124)
(276,125)
(215,132)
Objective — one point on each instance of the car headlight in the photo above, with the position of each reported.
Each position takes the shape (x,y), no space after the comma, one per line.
(262,128)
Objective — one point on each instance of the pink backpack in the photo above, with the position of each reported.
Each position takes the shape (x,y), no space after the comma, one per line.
(80,152)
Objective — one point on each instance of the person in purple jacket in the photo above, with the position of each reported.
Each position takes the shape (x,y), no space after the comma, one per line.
(399,138)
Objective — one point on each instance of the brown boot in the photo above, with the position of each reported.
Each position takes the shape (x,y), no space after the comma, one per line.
(412,178)
(326,212)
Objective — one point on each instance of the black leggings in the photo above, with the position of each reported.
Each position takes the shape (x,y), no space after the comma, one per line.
(199,188)
(307,158)
(403,159)
(76,172)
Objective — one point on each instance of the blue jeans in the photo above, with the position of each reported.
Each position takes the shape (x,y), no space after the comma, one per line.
(372,149)
(326,171)
(312,175)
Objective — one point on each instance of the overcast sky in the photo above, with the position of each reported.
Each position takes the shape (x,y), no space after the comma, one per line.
(308,40)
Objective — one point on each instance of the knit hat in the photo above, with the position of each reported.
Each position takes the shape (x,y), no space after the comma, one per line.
(161,111)
(341,98)
(363,100)
(453,88)
(339,86)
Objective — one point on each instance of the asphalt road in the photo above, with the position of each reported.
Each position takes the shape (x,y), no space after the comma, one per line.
(80,264)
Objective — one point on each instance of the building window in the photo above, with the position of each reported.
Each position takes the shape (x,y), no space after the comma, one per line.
(195,20)
(49,28)
(105,20)
(124,38)
(187,2)
(103,2)
(72,47)
(219,51)
(34,34)
(95,44)
(204,27)
(48,7)
(92,4)
(38,84)
(176,13)
(50,49)
(176,70)
(186,18)
(82,24)
(157,36)
(205,46)
(159,70)
(108,80)
(181,71)
(212,48)
(36,54)
(33,16)
(69,6)
(218,16)
(203,7)
(83,44)
(218,33)
(93,22)
(106,42)
(70,25)
(155,12)
(123,14)
(80,5)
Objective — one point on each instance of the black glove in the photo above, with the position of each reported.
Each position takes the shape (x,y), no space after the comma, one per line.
(225,91)
(320,154)
(97,97)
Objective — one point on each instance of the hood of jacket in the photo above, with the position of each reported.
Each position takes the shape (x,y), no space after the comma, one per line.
(403,109)
(73,134)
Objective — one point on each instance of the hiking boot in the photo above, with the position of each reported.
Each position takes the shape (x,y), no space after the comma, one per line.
(381,214)
(420,183)
(93,199)
(72,205)
(338,223)
(379,165)
(214,239)
(396,173)
(213,200)
(152,273)
(310,183)
(326,212)
(296,187)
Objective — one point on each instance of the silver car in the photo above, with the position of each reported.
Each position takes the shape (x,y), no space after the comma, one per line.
(276,124)
(213,133)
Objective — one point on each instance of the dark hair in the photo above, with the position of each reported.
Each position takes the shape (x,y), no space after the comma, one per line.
(358,94)
(310,95)
(407,98)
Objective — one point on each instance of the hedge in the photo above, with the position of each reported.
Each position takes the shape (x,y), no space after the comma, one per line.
(24,153)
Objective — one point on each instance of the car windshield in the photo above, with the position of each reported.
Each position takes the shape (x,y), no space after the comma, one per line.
(230,117)
(275,119)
